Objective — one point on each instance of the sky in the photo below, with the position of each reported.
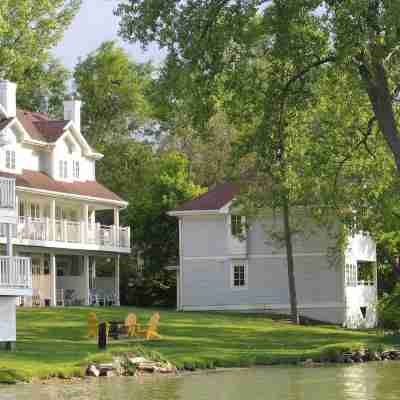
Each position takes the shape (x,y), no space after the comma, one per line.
(94,24)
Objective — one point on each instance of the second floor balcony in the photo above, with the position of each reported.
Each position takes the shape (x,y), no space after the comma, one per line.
(15,276)
(8,206)
(62,233)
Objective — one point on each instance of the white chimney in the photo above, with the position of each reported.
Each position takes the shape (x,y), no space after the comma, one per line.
(8,97)
(72,112)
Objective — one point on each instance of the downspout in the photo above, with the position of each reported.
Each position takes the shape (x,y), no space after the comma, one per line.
(180,270)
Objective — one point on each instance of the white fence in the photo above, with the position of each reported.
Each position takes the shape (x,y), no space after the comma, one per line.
(15,272)
(46,229)
(7,193)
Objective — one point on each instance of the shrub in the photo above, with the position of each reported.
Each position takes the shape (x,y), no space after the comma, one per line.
(389,310)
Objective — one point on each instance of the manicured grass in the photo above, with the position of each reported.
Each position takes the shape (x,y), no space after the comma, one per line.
(53,342)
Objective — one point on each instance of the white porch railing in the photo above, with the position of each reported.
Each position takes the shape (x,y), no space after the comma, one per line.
(70,232)
(15,272)
(7,193)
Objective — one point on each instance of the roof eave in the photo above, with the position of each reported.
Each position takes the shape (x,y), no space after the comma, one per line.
(183,213)
(121,203)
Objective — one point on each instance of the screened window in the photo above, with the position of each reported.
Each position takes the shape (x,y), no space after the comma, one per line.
(10,159)
(76,169)
(237,225)
(63,169)
(239,275)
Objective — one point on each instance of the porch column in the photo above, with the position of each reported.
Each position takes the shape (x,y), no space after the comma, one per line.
(86,279)
(116,281)
(53,277)
(116,226)
(9,246)
(85,217)
(53,219)
(94,272)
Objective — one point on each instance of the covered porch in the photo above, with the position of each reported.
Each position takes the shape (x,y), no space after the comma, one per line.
(73,280)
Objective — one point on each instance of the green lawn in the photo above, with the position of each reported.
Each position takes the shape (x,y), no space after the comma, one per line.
(53,341)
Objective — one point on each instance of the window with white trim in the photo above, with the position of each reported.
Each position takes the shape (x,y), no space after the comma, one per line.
(10,159)
(237,225)
(76,169)
(239,275)
(63,169)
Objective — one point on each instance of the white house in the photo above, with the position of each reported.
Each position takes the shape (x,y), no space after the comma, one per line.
(15,272)
(57,197)
(227,264)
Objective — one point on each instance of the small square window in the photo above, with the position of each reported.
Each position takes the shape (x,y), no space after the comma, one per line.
(239,275)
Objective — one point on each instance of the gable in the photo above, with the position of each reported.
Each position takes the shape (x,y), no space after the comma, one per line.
(69,145)
(213,200)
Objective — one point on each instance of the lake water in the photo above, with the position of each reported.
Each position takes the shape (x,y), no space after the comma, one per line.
(356,382)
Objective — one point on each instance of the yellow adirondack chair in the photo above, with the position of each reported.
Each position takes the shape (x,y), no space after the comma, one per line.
(151,331)
(93,324)
(130,324)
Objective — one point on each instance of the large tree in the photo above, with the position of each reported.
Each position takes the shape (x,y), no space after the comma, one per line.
(362,37)
(152,184)
(28,31)
(114,89)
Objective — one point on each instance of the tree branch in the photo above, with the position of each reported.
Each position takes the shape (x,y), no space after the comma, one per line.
(306,70)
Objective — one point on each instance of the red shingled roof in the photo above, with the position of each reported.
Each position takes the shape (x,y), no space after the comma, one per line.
(214,199)
(40,127)
(40,180)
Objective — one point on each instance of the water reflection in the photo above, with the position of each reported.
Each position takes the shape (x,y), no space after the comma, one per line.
(372,381)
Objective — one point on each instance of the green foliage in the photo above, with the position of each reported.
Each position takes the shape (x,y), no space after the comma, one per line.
(28,30)
(114,91)
(389,310)
(311,85)
(46,88)
(153,184)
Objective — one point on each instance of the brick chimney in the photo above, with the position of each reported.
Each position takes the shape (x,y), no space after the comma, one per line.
(8,97)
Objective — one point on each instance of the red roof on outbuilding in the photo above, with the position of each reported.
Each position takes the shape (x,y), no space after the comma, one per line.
(214,199)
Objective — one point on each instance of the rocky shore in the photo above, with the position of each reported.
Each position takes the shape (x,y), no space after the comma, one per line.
(130,365)
(358,356)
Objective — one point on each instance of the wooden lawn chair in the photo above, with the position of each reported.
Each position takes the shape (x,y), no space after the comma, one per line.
(36,298)
(93,324)
(151,331)
(130,324)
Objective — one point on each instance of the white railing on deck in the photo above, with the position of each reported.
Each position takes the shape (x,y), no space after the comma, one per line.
(15,272)
(7,193)
(46,229)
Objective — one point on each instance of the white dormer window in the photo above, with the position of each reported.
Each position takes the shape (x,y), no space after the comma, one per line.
(237,225)
(63,169)
(76,169)
(10,159)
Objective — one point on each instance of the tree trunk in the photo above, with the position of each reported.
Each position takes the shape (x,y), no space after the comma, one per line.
(290,262)
(381,99)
